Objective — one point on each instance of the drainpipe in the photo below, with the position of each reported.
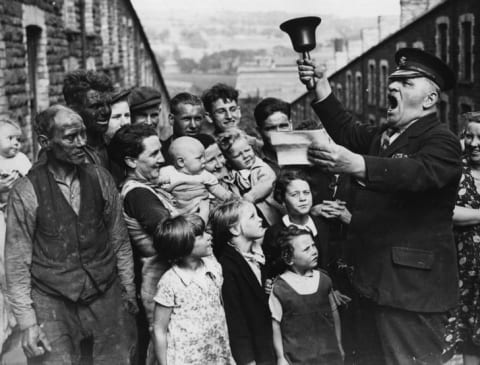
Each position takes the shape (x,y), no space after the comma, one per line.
(83,38)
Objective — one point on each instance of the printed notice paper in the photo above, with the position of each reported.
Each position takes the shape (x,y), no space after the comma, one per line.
(291,147)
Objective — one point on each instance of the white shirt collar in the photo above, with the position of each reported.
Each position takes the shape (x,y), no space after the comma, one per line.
(187,276)
(309,226)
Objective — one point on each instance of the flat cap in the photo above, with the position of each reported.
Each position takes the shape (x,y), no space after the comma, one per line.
(414,62)
(144,97)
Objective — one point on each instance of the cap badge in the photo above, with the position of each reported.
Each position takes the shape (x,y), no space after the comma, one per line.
(402,61)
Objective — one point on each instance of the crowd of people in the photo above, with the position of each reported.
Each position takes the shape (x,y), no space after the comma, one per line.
(121,248)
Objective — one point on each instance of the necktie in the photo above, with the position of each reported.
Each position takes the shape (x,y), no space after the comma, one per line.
(385,140)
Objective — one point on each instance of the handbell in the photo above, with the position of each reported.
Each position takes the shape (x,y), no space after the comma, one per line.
(302,35)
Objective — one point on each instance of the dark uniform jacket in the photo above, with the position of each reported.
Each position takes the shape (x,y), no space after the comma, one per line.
(401,228)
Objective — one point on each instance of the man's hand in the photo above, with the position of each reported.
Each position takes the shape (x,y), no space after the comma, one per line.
(335,158)
(34,341)
(307,71)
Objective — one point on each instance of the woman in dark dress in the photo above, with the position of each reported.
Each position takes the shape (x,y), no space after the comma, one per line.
(463,331)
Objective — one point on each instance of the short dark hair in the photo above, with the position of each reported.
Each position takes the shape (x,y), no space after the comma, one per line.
(128,142)
(205,139)
(267,107)
(184,98)
(218,91)
(285,177)
(284,242)
(77,83)
(45,120)
(174,238)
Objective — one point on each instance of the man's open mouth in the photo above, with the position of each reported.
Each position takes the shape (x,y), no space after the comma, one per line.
(392,102)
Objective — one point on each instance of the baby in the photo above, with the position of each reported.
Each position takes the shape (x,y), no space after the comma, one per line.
(253,177)
(13,163)
(187,180)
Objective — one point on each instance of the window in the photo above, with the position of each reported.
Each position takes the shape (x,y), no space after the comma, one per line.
(358,92)
(442,40)
(465,55)
(349,90)
(382,100)
(418,44)
(339,92)
(400,45)
(372,82)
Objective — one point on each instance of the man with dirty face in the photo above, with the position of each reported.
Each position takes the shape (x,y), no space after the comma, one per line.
(405,174)
(69,263)
(89,93)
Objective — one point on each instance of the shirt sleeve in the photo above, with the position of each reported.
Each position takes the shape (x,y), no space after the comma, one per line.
(165,292)
(262,178)
(117,231)
(21,216)
(275,307)
(146,208)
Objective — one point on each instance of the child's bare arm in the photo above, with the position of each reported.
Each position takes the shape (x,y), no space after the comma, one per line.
(277,343)
(336,322)
(161,318)
(263,186)
(220,192)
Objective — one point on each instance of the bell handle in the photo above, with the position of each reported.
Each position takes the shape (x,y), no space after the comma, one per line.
(310,84)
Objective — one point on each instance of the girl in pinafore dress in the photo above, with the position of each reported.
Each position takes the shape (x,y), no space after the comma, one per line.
(305,320)
(189,320)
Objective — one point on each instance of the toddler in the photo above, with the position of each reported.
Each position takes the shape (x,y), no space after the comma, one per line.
(13,163)
(305,320)
(189,320)
(187,180)
(252,175)
(236,228)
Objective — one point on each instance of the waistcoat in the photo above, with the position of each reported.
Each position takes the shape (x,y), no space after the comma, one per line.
(69,249)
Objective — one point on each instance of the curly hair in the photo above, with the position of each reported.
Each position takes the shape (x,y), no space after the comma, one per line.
(128,142)
(216,92)
(283,255)
(174,238)
(226,139)
(285,177)
(77,83)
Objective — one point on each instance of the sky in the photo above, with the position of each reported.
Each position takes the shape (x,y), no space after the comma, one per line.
(342,8)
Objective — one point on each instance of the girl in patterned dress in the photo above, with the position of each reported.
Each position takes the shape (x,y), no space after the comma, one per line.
(189,321)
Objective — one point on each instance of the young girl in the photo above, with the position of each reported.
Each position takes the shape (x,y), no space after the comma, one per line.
(305,321)
(292,189)
(189,320)
(253,177)
(236,228)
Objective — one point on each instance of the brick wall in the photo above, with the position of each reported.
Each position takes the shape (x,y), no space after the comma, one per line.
(69,34)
